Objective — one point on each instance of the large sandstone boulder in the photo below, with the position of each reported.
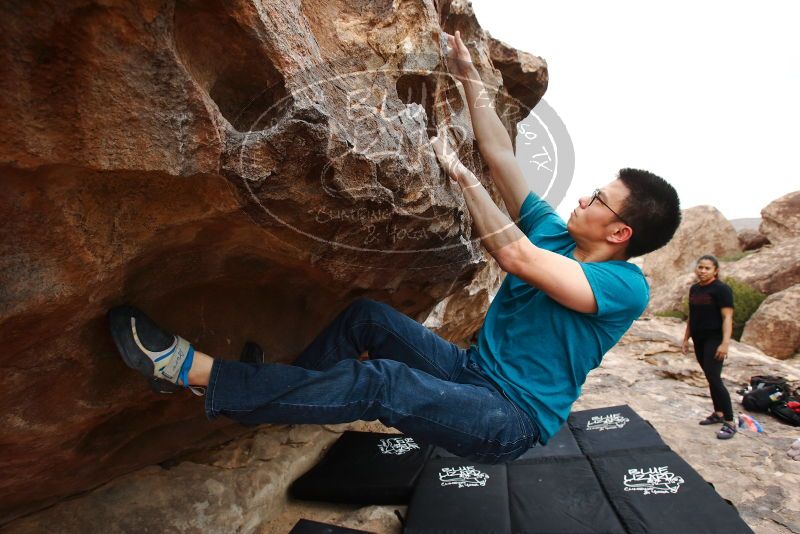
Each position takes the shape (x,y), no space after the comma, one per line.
(773,268)
(781,218)
(239,169)
(775,326)
(670,295)
(751,239)
(703,230)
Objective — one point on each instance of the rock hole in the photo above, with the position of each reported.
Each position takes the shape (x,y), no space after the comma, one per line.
(230,65)
(419,89)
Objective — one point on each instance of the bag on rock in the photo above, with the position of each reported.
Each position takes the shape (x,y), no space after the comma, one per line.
(765,391)
(761,399)
(785,413)
(761,381)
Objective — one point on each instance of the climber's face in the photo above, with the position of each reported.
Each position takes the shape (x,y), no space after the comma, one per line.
(596,217)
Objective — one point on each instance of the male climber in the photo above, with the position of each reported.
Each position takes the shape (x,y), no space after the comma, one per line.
(568,296)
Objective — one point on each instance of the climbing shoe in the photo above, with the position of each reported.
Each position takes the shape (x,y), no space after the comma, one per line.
(727,431)
(164,359)
(712,419)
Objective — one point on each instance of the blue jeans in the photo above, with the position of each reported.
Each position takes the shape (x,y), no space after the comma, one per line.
(414,381)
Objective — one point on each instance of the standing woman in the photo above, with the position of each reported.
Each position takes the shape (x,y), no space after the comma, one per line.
(710,326)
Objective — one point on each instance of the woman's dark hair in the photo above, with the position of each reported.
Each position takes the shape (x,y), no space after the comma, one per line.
(712,259)
(652,210)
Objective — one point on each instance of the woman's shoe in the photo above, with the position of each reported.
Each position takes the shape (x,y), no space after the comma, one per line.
(712,419)
(727,431)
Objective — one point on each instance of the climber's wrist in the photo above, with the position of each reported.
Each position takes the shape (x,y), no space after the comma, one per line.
(467,180)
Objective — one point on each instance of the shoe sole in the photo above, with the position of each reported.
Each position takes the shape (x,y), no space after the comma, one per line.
(163,387)
(119,319)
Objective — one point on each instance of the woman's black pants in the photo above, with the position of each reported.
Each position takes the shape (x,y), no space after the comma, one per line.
(705,347)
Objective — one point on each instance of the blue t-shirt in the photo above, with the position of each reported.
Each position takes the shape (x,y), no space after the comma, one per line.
(539,351)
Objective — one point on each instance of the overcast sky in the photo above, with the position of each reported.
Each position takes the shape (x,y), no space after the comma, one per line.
(704,94)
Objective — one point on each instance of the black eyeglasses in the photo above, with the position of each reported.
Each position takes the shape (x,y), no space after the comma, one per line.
(596,196)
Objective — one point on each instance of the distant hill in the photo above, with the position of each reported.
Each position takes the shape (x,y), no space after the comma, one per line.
(750,223)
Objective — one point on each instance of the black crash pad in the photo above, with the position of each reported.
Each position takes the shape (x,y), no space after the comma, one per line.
(657,492)
(616,476)
(455,495)
(552,495)
(558,497)
(615,428)
(561,445)
(305,526)
(365,468)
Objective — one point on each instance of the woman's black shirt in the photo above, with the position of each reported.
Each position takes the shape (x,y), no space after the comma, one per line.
(704,307)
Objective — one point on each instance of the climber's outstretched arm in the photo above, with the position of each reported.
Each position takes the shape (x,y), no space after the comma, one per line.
(493,140)
(560,277)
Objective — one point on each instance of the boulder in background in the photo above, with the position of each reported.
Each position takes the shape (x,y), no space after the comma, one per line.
(703,230)
(781,218)
(775,326)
